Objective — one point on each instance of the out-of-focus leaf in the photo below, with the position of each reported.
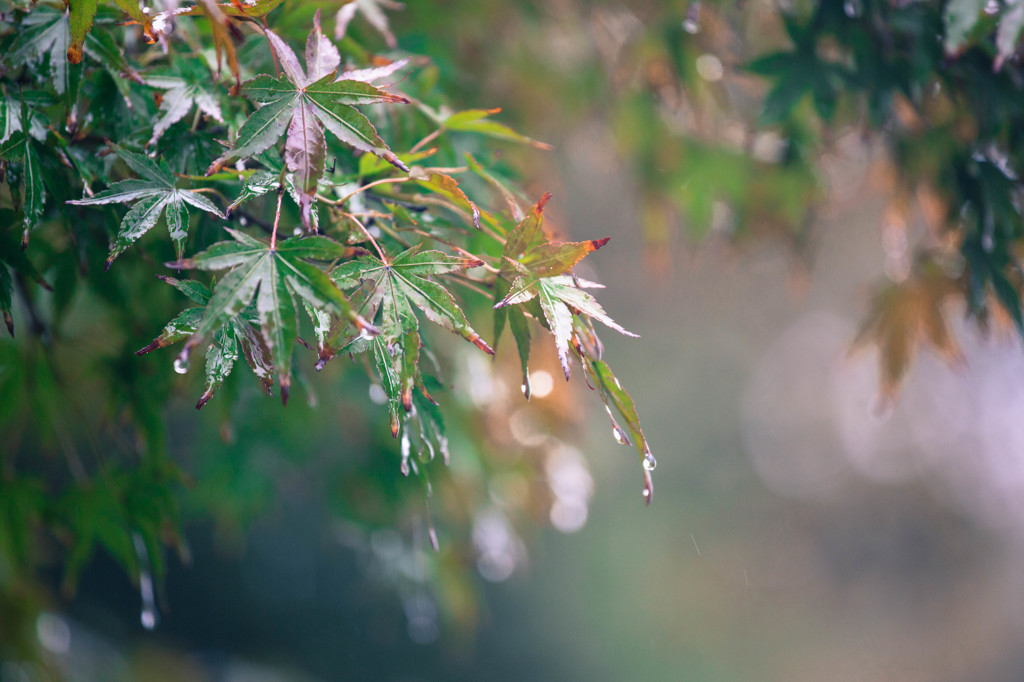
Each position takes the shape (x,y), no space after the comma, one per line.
(448,187)
(373,12)
(478,121)
(189,86)
(81,14)
(1008,33)
(906,316)
(960,18)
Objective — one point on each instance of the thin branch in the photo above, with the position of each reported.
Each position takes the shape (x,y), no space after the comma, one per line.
(277,217)
(426,140)
(363,188)
(369,236)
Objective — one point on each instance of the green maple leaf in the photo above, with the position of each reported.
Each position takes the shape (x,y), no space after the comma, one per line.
(303,103)
(153,195)
(240,332)
(19,146)
(46,33)
(534,267)
(271,275)
(188,86)
(400,285)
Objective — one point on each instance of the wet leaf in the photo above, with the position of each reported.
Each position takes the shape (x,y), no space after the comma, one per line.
(304,107)
(399,286)
(272,276)
(153,196)
(188,86)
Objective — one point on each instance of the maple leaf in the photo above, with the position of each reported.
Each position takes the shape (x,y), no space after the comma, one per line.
(45,32)
(22,147)
(535,266)
(272,275)
(904,317)
(241,331)
(188,86)
(303,103)
(153,195)
(373,12)
(400,284)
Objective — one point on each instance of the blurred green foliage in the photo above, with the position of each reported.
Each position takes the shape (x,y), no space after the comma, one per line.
(723,111)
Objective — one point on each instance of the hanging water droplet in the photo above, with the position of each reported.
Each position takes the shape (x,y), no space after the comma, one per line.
(433,538)
(406,449)
(650,464)
(647,493)
(691,24)
(526,386)
(149,615)
(619,436)
(181,364)
(853,8)
(297,231)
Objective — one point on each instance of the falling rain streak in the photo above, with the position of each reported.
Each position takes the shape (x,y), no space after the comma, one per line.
(149,615)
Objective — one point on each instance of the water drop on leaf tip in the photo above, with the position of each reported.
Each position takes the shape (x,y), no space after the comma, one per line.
(650,464)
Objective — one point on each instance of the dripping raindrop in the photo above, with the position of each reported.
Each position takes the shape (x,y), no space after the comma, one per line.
(181,364)
(149,615)
(650,464)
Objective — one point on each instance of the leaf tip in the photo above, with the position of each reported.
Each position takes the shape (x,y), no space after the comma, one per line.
(146,349)
(541,203)
(204,398)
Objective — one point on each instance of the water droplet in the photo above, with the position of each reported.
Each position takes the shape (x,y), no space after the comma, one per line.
(406,450)
(433,538)
(988,242)
(648,487)
(297,231)
(149,615)
(526,386)
(991,7)
(365,334)
(181,364)
(620,436)
(853,8)
(692,22)
(650,464)
(882,408)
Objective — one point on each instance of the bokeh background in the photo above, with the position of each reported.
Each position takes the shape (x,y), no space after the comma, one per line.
(804,527)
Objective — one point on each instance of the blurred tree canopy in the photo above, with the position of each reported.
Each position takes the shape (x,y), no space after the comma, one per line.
(357,199)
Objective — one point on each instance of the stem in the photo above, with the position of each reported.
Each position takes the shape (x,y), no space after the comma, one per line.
(277,218)
(380,252)
(341,202)
(426,140)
